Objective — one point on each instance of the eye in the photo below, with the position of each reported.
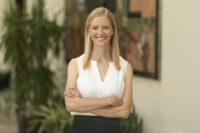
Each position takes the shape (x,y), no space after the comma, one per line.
(106,27)
(95,28)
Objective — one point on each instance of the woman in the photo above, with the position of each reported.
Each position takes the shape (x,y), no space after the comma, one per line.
(99,83)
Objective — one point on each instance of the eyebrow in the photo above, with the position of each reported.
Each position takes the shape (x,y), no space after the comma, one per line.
(102,25)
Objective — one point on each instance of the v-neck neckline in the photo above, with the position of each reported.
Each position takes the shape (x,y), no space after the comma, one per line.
(98,72)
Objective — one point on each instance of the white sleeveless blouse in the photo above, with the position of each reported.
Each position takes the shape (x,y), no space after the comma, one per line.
(90,85)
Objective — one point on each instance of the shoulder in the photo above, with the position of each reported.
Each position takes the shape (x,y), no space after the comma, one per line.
(129,72)
(122,60)
(73,66)
(74,61)
(129,68)
(123,63)
(126,66)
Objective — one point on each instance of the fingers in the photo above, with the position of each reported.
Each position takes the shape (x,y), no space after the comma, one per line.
(69,92)
(72,92)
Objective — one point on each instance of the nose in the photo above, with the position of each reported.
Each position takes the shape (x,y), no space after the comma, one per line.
(100,31)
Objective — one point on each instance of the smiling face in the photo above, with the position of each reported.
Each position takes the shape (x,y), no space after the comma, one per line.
(101,31)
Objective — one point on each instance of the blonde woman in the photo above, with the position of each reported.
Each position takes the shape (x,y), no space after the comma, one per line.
(99,84)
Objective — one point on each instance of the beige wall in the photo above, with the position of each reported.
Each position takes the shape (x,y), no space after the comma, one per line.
(171,105)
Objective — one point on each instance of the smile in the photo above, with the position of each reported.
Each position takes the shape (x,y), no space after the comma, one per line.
(100,38)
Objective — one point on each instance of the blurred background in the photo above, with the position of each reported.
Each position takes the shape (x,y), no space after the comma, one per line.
(160,38)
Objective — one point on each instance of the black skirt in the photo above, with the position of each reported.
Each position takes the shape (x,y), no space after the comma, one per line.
(95,124)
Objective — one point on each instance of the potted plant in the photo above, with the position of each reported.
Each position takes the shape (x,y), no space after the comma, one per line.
(51,119)
(26,39)
(55,119)
(133,124)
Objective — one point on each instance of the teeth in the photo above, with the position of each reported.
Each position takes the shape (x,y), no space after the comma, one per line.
(100,38)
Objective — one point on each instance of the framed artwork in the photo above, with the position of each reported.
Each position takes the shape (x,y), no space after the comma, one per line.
(141,46)
(134,8)
(92,4)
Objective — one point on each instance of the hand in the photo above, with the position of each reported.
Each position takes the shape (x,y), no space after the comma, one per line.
(115,101)
(72,93)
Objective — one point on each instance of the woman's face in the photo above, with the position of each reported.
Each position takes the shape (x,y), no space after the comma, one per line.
(100,31)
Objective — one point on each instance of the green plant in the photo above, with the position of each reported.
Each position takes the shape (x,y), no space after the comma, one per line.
(7,103)
(133,124)
(54,119)
(26,39)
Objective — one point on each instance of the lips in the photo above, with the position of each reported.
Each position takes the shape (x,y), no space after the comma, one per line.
(101,38)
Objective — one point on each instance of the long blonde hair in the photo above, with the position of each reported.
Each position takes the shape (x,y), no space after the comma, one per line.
(100,11)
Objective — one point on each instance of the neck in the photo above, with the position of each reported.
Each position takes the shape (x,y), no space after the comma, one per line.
(101,53)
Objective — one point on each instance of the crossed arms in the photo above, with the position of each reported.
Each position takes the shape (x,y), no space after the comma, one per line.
(111,106)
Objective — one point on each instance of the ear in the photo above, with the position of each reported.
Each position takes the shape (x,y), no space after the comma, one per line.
(88,31)
(112,32)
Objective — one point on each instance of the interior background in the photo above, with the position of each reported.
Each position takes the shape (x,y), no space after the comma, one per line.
(171,105)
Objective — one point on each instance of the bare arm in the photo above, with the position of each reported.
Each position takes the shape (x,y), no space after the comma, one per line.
(79,104)
(123,110)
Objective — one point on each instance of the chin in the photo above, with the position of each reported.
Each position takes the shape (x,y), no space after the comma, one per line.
(101,44)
